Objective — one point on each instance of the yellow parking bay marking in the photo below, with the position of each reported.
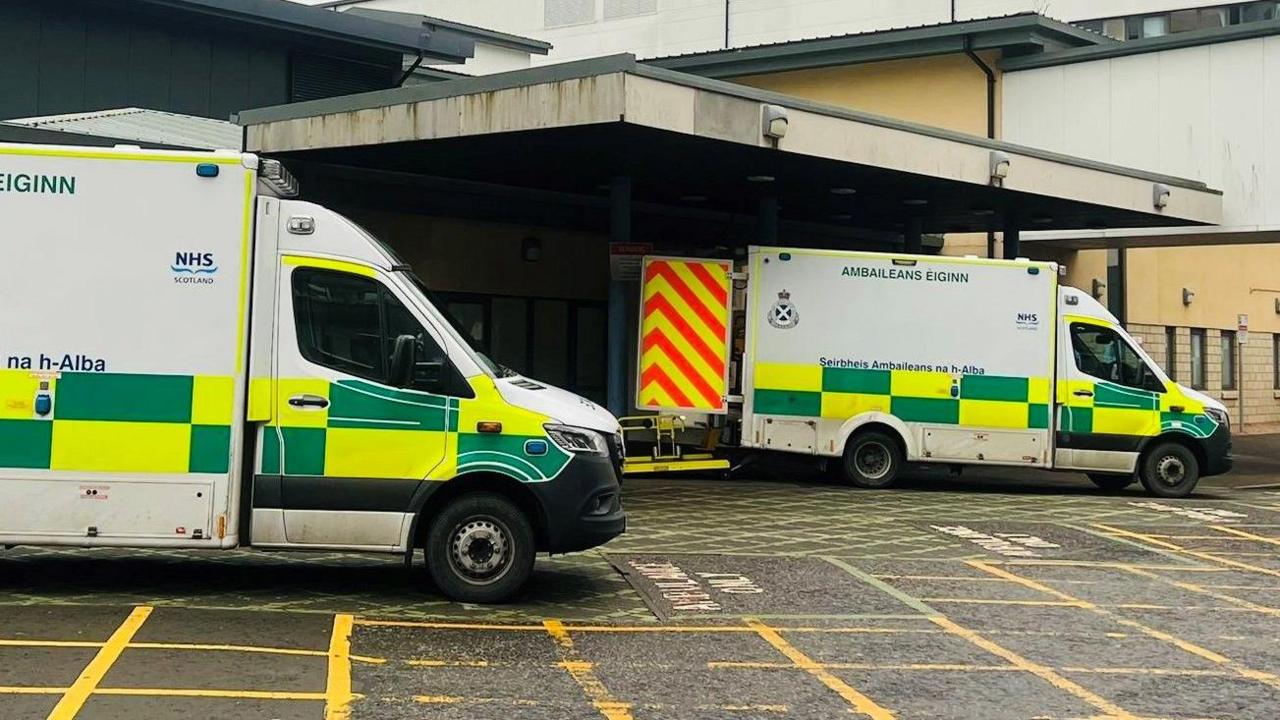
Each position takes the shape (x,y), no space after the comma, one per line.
(1193,553)
(1192,587)
(584,674)
(860,702)
(201,647)
(961,667)
(93,673)
(202,693)
(1188,647)
(1241,533)
(1109,708)
(526,702)
(337,692)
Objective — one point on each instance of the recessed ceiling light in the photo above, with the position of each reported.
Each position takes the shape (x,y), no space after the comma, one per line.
(915,201)
(1041,220)
(760,178)
(843,191)
(841,216)
(983,212)
(694,198)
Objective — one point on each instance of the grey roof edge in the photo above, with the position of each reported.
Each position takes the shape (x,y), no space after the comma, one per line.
(874,45)
(295,17)
(17,133)
(435,91)
(1193,38)
(491,37)
(627,64)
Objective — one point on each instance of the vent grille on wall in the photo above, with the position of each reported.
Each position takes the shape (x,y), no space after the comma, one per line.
(321,76)
(614,9)
(568,12)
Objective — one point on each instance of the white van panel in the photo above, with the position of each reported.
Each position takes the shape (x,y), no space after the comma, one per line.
(113,508)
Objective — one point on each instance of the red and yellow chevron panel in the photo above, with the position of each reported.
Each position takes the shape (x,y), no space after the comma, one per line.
(684,334)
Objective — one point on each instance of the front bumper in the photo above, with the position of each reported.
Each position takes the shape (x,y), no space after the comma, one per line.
(1217,452)
(582,506)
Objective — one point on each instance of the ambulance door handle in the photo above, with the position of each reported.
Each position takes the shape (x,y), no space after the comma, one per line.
(315,401)
(1082,393)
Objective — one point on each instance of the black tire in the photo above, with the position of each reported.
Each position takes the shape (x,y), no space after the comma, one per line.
(1169,470)
(871,460)
(1112,483)
(480,549)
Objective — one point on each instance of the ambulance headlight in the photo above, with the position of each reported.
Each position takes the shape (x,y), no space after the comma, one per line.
(577,440)
(1219,416)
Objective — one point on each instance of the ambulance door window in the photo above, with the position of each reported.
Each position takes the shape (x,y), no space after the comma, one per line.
(432,371)
(338,322)
(1102,353)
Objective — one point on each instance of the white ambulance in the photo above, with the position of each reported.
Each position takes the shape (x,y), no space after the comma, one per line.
(190,359)
(880,359)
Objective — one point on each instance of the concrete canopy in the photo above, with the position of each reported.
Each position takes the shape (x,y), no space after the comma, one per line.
(681,138)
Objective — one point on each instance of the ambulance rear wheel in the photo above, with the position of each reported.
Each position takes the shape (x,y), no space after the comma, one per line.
(1169,470)
(480,549)
(871,460)
(1112,483)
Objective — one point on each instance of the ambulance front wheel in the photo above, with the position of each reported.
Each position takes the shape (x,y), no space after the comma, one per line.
(1169,470)
(480,549)
(872,459)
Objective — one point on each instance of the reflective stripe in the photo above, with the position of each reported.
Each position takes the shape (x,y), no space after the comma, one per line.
(330,264)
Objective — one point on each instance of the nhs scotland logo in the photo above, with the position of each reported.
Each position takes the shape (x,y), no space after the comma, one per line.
(193,268)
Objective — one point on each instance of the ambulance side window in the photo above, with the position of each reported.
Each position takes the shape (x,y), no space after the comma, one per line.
(1101,352)
(350,324)
(339,322)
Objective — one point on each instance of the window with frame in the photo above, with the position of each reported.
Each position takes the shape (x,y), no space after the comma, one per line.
(1275,360)
(1171,352)
(350,324)
(1227,342)
(1103,353)
(1197,358)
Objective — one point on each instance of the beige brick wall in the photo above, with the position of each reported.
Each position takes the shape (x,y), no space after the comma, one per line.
(1261,398)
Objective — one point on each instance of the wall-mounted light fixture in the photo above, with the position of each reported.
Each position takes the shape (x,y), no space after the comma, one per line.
(1160,195)
(999,167)
(531,249)
(773,121)
(1099,288)
(1187,296)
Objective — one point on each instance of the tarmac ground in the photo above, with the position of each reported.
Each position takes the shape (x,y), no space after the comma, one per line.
(997,594)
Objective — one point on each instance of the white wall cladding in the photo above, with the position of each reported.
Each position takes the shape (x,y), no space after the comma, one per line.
(653,28)
(1202,112)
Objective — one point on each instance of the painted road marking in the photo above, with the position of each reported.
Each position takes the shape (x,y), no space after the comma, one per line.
(337,693)
(1193,553)
(1204,514)
(84,686)
(1184,645)
(1192,587)
(861,703)
(584,674)
(1044,673)
(1241,533)
(962,667)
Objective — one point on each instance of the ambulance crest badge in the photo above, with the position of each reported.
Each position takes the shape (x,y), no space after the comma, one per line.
(784,315)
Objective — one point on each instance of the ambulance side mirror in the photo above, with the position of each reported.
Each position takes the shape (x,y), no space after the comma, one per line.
(404,356)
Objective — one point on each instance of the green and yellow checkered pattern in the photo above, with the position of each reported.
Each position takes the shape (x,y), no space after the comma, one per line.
(1109,409)
(375,432)
(117,422)
(912,396)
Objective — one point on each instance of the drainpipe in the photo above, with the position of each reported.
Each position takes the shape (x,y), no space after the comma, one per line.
(726,24)
(411,69)
(991,85)
(991,113)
